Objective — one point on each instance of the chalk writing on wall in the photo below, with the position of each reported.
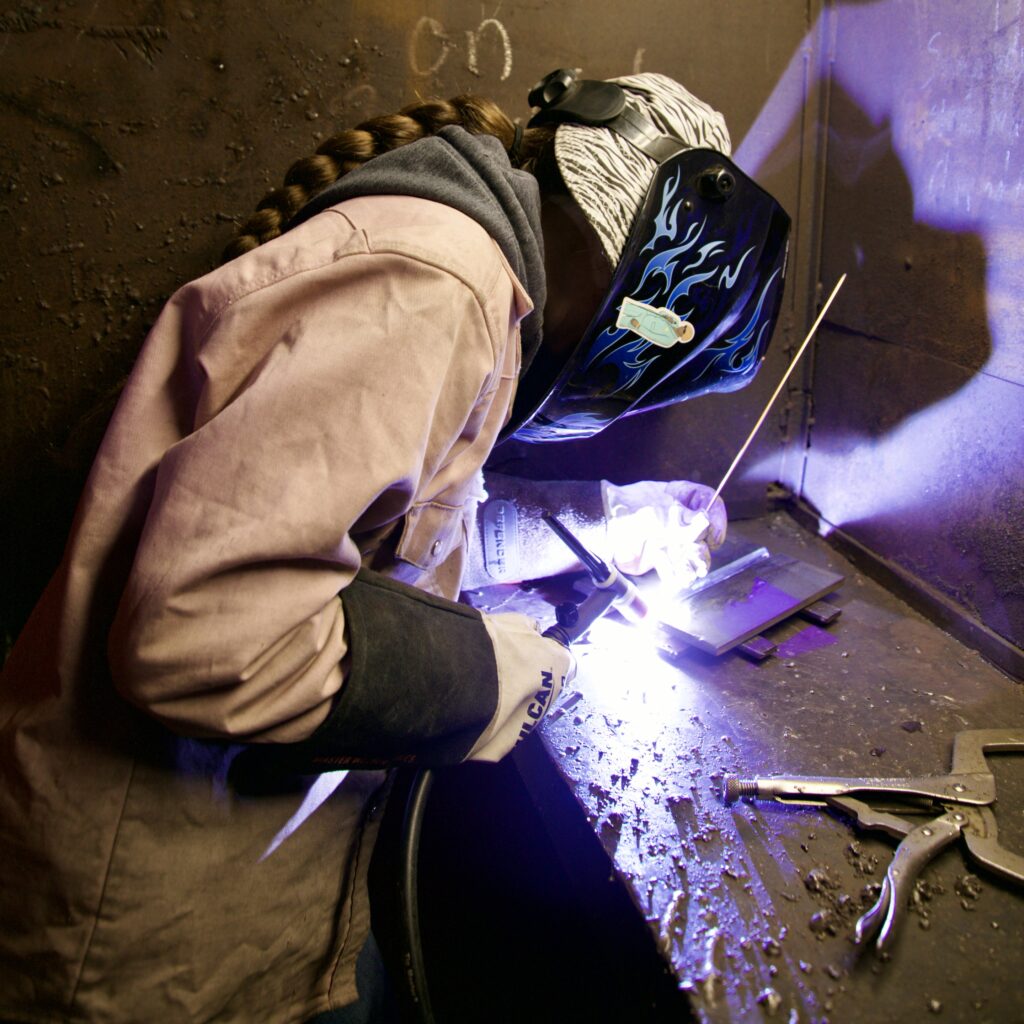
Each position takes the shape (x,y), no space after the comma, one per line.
(430,43)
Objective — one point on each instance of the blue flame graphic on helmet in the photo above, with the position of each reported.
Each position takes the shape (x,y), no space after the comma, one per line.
(739,352)
(690,309)
(671,275)
(665,218)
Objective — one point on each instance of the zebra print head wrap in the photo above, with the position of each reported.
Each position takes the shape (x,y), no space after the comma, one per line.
(608,177)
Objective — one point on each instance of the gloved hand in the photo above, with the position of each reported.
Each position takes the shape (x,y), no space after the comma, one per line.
(532,669)
(659,525)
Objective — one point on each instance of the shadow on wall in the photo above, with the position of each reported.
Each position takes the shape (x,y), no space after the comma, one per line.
(909,334)
(918,387)
(912,451)
(915,289)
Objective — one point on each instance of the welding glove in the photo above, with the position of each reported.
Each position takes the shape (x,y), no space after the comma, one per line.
(532,669)
(659,525)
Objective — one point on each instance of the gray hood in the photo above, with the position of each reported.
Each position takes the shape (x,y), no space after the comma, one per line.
(472,174)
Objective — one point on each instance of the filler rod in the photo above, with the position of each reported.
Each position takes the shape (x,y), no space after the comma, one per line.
(771,401)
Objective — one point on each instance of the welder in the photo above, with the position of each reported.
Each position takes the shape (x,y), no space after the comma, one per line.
(260,585)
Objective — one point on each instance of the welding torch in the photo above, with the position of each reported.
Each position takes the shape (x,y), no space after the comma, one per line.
(613,589)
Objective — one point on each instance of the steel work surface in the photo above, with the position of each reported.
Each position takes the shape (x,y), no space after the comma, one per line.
(754,904)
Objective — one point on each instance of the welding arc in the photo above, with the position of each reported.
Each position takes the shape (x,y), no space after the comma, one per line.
(771,401)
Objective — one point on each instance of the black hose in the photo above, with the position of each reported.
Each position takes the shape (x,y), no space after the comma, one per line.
(415,969)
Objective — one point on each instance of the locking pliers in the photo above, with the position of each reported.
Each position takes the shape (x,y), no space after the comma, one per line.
(963,799)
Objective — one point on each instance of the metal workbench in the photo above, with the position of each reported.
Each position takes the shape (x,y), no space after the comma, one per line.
(753,905)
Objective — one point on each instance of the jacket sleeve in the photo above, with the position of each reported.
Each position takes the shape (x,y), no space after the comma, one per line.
(321,400)
(430,681)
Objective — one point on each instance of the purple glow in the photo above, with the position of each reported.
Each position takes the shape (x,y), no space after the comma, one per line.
(943,89)
(915,460)
(915,450)
(940,80)
(810,638)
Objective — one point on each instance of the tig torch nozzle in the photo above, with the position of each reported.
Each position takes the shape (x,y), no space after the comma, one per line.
(628,599)
(612,588)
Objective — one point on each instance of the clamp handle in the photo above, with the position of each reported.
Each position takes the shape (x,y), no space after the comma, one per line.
(919,847)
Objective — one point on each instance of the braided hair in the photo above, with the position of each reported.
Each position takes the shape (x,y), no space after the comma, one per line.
(529,150)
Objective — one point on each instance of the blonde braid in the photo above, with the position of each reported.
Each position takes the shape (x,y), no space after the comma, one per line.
(349,149)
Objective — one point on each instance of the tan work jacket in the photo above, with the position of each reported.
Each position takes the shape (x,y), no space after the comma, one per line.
(321,403)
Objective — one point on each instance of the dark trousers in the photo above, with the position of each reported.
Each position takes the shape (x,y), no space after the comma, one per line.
(376,1003)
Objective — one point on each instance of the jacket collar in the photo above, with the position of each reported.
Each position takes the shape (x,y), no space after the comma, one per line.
(472,174)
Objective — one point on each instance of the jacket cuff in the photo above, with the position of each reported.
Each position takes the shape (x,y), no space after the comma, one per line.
(422,683)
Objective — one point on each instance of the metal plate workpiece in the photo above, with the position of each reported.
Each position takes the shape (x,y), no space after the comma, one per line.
(719,617)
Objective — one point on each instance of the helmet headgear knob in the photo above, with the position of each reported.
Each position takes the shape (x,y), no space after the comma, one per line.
(716,183)
(550,89)
(561,96)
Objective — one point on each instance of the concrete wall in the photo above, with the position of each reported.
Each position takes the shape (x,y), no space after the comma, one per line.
(136,133)
(917,443)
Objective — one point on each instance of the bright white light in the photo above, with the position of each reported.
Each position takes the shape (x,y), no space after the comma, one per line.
(621,665)
(914,460)
(315,797)
(667,604)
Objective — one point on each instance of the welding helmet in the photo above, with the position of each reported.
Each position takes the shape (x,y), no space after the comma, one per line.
(698,251)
